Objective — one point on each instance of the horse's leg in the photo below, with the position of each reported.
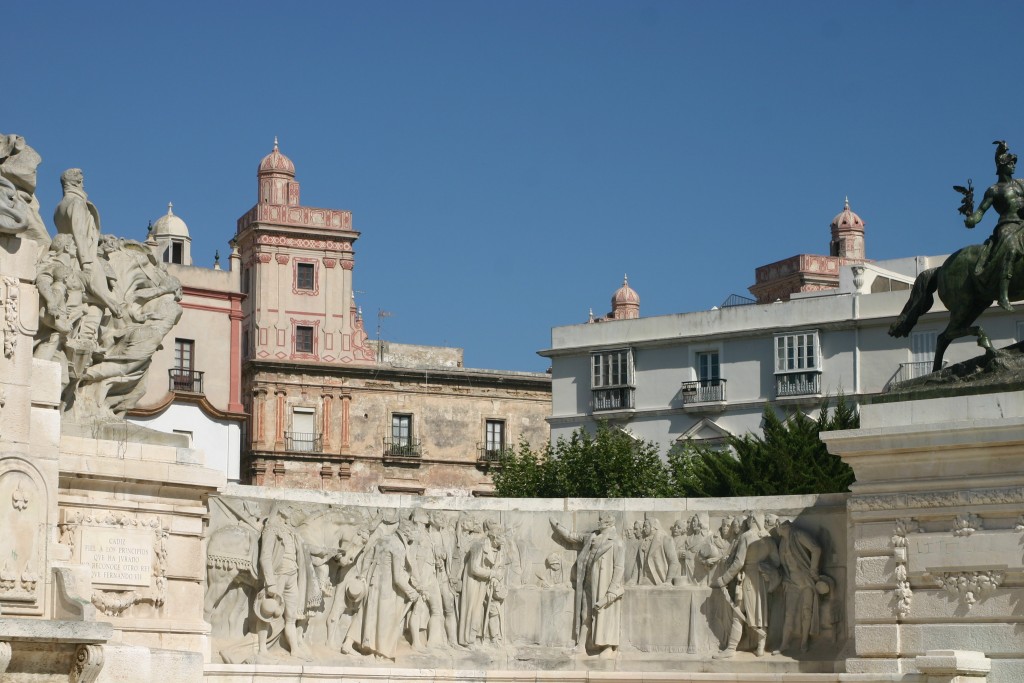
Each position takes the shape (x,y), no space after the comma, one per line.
(959,326)
(941,344)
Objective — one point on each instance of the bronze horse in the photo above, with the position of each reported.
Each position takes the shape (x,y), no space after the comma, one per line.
(964,293)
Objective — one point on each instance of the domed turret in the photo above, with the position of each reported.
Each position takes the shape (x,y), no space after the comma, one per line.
(275,162)
(847,234)
(170,233)
(625,302)
(277,179)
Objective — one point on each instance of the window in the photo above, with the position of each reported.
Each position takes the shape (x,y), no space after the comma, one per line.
(494,437)
(611,379)
(304,437)
(797,364)
(709,386)
(401,443)
(611,369)
(246,342)
(183,377)
(303,339)
(401,430)
(304,274)
(175,252)
(707,367)
(245,280)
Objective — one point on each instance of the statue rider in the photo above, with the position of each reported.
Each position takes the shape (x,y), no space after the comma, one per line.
(1006,244)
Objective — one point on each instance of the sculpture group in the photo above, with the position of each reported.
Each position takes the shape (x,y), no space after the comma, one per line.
(106,303)
(325,583)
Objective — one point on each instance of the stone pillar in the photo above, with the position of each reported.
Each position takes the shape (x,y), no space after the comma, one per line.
(936,530)
(327,403)
(346,406)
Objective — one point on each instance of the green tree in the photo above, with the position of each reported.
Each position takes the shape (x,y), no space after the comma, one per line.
(789,458)
(607,464)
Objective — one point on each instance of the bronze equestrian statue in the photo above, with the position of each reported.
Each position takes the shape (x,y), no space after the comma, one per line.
(975,276)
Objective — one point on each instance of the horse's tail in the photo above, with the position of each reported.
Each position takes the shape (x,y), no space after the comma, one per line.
(921,300)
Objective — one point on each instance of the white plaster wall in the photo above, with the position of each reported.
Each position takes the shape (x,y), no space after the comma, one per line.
(219,440)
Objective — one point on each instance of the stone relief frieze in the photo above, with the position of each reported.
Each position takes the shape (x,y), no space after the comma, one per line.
(898,501)
(301,582)
(902,592)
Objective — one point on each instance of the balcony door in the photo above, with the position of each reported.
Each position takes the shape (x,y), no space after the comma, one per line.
(922,353)
(303,436)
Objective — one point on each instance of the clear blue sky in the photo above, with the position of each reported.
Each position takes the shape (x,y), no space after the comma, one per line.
(507,162)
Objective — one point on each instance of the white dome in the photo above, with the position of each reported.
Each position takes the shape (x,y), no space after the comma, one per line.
(170,225)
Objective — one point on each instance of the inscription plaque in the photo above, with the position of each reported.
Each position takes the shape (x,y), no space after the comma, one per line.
(118,557)
(932,552)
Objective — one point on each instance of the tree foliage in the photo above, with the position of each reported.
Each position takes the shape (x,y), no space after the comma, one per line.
(789,458)
(608,464)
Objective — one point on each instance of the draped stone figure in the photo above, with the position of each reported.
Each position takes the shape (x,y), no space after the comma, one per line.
(390,594)
(482,590)
(599,585)
(660,561)
(690,543)
(755,568)
(800,555)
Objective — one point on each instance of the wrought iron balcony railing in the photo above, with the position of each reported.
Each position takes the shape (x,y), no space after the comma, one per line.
(909,371)
(304,442)
(185,380)
(402,448)
(704,391)
(493,453)
(620,398)
(798,384)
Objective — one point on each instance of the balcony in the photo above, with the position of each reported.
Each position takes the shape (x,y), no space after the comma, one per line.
(909,371)
(492,455)
(798,384)
(703,391)
(620,398)
(188,381)
(402,449)
(303,442)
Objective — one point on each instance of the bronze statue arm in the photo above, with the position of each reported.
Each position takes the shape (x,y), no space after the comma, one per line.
(986,204)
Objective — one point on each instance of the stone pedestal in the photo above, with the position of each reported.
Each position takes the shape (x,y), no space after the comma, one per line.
(937,532)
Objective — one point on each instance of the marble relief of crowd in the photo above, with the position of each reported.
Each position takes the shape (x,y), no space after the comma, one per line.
(315,584)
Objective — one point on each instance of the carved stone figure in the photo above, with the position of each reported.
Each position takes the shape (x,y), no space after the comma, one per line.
(427,614)
(800,555)
(483,590)
(442,543)
(755,568)
(599,585)
(690,542)
(553,575)
(390,594)
(660,560)
(289,583)
(19,208)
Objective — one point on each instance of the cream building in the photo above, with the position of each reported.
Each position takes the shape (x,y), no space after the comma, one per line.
(819,329)
(194,388)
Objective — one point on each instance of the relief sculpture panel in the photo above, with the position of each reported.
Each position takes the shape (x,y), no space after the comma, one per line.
(290,582)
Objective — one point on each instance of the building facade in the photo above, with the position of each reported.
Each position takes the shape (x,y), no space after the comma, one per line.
(703,375)
(332,409)
(194,384)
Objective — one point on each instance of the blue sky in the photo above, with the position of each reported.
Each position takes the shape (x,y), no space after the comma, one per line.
(508,162)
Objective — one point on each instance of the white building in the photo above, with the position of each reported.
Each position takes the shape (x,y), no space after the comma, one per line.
(703,375)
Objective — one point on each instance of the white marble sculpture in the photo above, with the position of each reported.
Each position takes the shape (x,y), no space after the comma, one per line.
(106,305)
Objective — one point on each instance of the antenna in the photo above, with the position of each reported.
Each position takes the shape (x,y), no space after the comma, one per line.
(381,314)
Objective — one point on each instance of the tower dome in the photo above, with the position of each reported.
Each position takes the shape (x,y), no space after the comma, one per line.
(275,162)
(169,225)
(847,234)
(625,302)
(170,237)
